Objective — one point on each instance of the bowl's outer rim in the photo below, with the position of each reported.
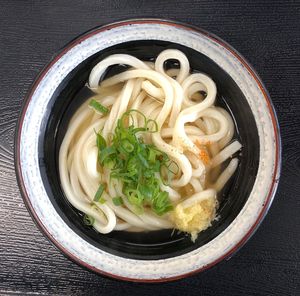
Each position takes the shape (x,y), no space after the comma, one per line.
(98,29)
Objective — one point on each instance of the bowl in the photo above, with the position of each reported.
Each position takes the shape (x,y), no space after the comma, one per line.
(158,255)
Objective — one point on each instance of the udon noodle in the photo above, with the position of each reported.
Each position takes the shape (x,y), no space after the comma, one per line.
(189,129)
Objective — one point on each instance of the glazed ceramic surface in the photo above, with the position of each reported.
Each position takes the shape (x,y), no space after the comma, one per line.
(154,256)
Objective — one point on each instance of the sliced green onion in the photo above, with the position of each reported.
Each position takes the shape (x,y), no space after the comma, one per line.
(127,146)
(99,193)
(132,166)
(128,114)
(118,201)
(156,166)
(134,197)
(139,166)
(146,191)
(109,163)
(102,200)
(139,129)
(143,160)
(152,155)
(98,107)
(106,152)
(150,128)
(161,204)
(100,141)
(88,220)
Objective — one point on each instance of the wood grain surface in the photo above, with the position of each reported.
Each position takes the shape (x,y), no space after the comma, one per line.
(267,33)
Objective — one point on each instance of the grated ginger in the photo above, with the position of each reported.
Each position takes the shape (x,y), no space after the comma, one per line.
(195,218)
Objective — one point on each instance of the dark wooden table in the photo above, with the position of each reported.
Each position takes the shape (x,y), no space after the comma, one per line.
(267,33)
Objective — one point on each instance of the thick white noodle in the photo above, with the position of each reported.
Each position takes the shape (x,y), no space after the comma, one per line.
(226,153)
(198,197)
(226,175)
(116,59)
(175,55)
(190,127)
(191,114)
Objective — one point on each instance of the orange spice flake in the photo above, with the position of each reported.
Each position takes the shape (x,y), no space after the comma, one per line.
(203,155)
(200,145)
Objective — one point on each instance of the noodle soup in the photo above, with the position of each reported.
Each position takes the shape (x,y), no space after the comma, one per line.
(148,150)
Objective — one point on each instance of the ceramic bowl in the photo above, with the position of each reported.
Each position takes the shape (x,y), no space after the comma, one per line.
(150,256)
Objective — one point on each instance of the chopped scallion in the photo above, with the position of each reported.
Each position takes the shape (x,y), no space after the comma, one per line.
(88,220)
(117,201)
(102,200)
(99,192)
(139,166)
(100,141)
(98,107)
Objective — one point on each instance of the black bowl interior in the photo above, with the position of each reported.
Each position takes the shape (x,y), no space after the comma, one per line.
(156,244)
